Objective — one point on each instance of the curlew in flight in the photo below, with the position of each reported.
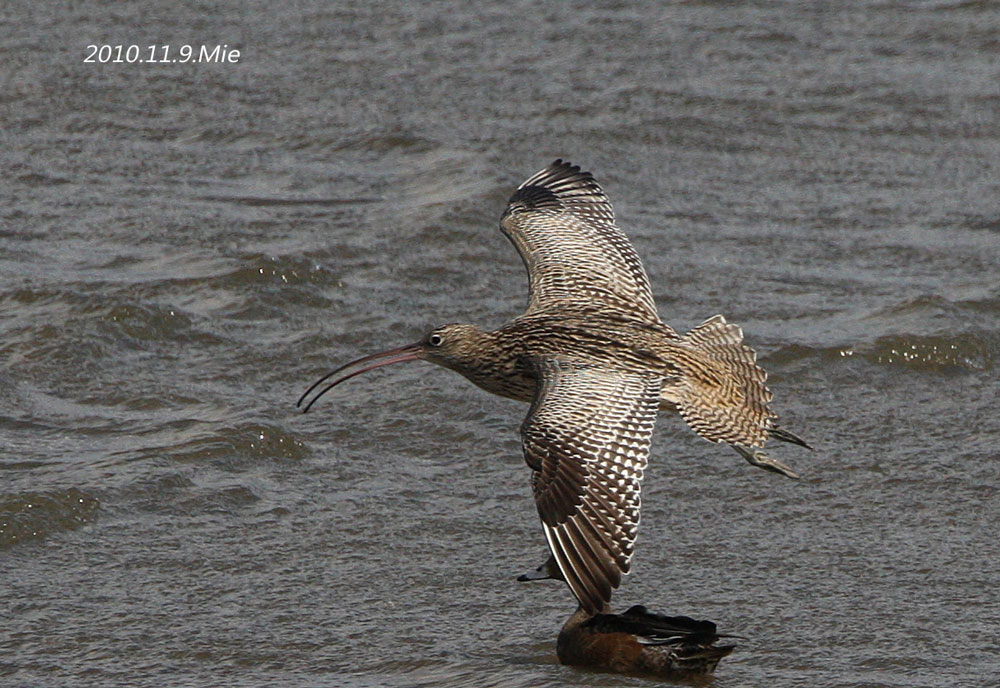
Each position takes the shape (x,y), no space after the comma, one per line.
(596,363)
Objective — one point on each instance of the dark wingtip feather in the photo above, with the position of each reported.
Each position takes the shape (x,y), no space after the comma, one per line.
(544,189)
(532,198)
(562,171)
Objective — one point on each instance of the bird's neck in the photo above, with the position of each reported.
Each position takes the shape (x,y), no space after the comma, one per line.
(582,615)
(575,643)
(495,364)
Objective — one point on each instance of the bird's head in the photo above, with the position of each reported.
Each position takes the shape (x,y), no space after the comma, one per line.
(456,346)
(452,346)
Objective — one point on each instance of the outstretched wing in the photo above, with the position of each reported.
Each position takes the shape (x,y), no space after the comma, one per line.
(562,224)
(587,438)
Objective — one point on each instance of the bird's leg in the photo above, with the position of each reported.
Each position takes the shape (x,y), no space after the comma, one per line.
(756,457)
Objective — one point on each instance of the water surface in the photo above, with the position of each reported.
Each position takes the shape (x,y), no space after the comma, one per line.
(184,248)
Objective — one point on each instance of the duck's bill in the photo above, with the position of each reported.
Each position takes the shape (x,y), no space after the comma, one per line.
(410,352)
(537,574)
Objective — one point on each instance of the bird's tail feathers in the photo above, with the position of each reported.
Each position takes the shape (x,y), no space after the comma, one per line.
(721,391)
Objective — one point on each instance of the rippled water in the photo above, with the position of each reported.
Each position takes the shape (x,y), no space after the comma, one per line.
(186,247)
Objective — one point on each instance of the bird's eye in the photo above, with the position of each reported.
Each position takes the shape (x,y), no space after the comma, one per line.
(435,339)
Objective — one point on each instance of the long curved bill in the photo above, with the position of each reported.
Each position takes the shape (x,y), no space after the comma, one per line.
(410,352)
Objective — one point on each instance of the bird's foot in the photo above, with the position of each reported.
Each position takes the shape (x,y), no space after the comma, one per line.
(756,457)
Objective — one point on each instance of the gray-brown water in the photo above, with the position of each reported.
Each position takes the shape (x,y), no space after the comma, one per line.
(184,248)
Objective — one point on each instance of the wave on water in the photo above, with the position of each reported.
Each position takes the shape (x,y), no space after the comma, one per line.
(926,333)
(929,353)
(932,352)
(35,515)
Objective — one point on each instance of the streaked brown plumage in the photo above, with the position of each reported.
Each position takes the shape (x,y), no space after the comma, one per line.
(592,356)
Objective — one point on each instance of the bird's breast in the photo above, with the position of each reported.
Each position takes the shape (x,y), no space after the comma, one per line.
(513,383)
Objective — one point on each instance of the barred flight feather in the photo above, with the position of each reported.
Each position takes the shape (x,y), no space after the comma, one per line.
(587,436)
(563,225)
